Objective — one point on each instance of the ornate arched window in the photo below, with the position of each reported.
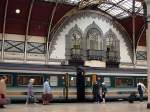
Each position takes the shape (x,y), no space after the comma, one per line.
(112,43)
(74,43)
(93,39)
(76,40)
(112,49)
(94,44)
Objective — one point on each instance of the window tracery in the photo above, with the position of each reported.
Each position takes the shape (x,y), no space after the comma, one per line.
(93,39)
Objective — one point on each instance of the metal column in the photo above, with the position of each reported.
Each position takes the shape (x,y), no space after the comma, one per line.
(48,43)
(133,34)
(27,31)
(3,33)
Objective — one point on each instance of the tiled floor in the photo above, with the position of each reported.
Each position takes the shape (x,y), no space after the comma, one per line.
(79,107)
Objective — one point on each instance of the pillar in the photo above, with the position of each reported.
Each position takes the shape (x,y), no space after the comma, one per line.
(148,49)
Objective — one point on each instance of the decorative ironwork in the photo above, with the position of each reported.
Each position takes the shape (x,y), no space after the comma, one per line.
(33,47)
(141,55)
(96,54)
(112,56)
(76,53)
(112,59)
(13,46)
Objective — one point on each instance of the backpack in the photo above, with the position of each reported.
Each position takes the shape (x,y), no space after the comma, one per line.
(139,87)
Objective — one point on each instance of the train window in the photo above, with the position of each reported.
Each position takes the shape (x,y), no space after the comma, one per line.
(143,80)
(24,80)
(107,81)
(72,81)
(88,81)
(61,80)
(53,80)
(9,79)
(124,82)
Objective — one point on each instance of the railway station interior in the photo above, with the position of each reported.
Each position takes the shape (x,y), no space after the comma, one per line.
(73,44)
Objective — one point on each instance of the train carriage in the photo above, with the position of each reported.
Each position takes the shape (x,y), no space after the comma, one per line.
(120,82)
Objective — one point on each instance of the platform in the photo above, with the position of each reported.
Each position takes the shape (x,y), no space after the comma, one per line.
(79,107)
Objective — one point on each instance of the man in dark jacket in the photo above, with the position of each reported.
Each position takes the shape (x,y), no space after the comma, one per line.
(96,92)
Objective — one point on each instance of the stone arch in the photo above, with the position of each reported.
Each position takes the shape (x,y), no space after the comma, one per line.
(68,41)
(93,16)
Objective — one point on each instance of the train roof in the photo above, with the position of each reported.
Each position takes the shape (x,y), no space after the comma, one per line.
(61,69)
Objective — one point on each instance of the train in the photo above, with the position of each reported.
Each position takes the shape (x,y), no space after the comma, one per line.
(121,82)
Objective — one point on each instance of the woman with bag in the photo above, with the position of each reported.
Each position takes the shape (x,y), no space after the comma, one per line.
(47,96)
(3,99)
(30,92)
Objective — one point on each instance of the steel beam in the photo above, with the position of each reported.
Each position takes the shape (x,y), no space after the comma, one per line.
(27,31)
(3,33)
(48,43)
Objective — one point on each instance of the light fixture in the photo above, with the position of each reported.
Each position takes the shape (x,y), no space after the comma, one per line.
(18,11)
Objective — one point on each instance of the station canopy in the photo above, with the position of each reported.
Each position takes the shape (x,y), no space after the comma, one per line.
(116,8)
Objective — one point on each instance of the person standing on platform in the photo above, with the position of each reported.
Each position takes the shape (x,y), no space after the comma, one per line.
(141,89)
(104,91)
(3,100)
(47,96)
(96,92)
(30,92)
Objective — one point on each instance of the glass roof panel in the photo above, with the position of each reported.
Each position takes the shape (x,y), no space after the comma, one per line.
(114,1)
(123,15)
(115,11)
(122,8)
(141,11)
(105,6)
(138,4)
(117,8)
(73,1)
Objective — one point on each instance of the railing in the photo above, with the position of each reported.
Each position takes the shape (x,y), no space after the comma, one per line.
(112,56)
(76,53)
(96,54)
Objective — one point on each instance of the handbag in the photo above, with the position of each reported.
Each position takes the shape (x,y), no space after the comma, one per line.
(31,99)
(4,101)
(47,97)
